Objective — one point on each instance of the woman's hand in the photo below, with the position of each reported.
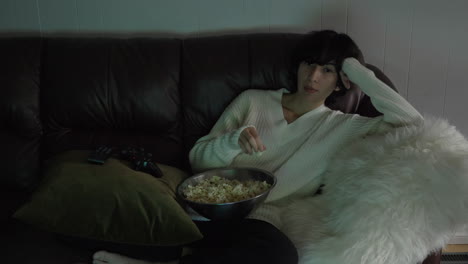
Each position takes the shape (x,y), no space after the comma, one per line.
(250,142)
(350,69)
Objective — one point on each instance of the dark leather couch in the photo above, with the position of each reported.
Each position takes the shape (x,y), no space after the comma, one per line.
(58,94)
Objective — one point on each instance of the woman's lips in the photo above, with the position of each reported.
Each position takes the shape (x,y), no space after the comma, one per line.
(310,89)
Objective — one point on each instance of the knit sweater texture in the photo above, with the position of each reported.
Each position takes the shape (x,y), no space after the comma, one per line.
(297,153)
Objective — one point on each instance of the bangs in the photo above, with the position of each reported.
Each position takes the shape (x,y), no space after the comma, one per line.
(325,52)
(326,47)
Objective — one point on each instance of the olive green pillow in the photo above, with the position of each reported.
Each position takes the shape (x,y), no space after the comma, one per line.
(109,202)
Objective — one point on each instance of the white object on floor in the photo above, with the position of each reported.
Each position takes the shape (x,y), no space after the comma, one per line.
(104,257)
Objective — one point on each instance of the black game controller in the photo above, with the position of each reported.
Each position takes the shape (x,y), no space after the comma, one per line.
(141,161)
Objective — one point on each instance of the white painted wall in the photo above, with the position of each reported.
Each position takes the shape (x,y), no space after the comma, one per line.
(420,44)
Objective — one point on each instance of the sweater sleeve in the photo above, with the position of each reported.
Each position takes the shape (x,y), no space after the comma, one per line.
(395,109)
(220,146)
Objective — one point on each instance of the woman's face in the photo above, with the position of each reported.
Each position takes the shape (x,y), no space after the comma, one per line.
(315,81)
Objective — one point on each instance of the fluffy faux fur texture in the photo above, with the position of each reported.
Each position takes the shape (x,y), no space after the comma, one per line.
(388,199)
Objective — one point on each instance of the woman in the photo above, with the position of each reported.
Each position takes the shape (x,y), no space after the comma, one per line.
(294,136)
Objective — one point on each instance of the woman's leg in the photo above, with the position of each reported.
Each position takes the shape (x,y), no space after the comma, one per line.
(247,241)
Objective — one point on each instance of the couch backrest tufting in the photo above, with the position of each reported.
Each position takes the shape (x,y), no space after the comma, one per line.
(115,92)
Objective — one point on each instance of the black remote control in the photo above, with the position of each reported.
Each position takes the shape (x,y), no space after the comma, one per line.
(141,161)
(100,155)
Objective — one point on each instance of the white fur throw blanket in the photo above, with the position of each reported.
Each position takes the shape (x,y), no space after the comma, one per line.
(388,199)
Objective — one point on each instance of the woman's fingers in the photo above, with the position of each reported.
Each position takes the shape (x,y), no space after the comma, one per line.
(245,145)
(258,141)
(250,141)
(252,138)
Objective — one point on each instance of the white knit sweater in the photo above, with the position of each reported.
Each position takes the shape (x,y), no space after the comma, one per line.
(297,153)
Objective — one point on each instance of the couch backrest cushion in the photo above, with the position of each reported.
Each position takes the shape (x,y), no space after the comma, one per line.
(20,127)
(214,71)
(117,92)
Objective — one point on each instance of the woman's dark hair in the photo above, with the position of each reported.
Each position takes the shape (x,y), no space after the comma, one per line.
(322,47)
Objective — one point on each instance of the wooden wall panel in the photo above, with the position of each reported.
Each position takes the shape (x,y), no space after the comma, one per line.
(367,26)
(456,96)
(58,16)
(295,15)
(220,15)
(89,15)
(257,15)
(150,16)
(397,50)
(19,16)
(429,57)
(335,15)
